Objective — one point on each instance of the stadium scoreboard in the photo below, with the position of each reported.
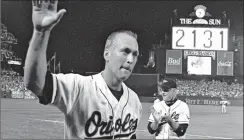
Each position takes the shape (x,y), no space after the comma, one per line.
(200,38)
(199,45)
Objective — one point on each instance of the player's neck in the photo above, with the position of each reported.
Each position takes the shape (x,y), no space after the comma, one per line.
(111,80)
(169,103)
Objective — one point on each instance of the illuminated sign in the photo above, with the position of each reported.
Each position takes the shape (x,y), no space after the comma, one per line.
(199,53)
(199,65)
(174,62)
(225,63)
(200,16)
(200,38)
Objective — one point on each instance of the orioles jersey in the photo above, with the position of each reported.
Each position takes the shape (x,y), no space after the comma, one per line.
(179,112)
(91,110)
(224,103)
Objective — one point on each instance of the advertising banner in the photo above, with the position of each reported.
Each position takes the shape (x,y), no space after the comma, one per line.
(199,53)
(214,101)
(199,100)
(173,61)
(17,95)
(225,63)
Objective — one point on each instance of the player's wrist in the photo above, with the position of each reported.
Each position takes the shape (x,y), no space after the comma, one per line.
(41,32)
(154,126)
(174,125)
(40,35)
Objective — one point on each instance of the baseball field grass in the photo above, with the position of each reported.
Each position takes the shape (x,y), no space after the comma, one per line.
(27,119)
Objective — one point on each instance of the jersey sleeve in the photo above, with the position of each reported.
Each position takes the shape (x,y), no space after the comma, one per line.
(184,116)
(61,90)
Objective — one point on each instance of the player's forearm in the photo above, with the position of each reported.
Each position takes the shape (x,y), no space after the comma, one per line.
(35,63)
(154,126)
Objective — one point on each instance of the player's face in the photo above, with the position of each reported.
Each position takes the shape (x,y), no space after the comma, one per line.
(167,94)
(123,56)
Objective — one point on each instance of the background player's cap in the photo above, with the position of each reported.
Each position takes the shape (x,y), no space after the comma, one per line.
(167,83)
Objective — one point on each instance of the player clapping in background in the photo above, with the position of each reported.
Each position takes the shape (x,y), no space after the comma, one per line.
(170,117)
(97,106)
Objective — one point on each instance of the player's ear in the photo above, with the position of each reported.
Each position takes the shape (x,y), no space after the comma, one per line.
(106,54)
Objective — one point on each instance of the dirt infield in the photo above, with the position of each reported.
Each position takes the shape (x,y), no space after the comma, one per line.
(27,119)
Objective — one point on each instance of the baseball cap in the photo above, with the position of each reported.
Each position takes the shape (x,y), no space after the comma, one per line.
(167,84)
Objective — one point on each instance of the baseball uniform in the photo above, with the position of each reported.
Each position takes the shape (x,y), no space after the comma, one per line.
(179,112)
(90,109)
(223,103)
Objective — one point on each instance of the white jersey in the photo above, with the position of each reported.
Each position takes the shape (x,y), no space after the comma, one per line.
(91,110)
(179,112)
(224,103)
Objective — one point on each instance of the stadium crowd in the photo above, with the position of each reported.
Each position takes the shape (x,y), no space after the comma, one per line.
(212,88)
(12,82)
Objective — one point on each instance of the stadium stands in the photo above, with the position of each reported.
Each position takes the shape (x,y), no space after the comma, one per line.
(12,83)
(212,88)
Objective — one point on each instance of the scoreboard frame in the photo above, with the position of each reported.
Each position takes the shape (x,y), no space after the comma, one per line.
(200,38)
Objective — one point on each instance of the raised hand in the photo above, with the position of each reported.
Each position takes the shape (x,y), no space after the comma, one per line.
(45,15)
(156,115)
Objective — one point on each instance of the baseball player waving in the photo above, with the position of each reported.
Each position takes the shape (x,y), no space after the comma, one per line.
(169,117)
(97,106)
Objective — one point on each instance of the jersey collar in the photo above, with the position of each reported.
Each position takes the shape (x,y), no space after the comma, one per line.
(176,104)
(103,87)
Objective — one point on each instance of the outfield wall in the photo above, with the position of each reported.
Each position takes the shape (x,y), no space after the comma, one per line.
(143,84)
(193,100)
(18,94)
(199,100)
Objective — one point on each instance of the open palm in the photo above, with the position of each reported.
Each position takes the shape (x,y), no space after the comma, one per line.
(156,115)
(45,15)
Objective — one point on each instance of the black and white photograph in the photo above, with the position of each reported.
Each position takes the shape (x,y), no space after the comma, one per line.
(73,69)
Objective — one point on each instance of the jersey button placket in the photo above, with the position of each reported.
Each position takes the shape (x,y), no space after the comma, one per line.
(113,132)
(167,132)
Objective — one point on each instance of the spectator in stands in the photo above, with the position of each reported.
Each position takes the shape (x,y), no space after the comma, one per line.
(210,88)
(11,81)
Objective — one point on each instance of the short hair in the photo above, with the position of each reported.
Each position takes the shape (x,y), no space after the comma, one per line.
(111,37)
